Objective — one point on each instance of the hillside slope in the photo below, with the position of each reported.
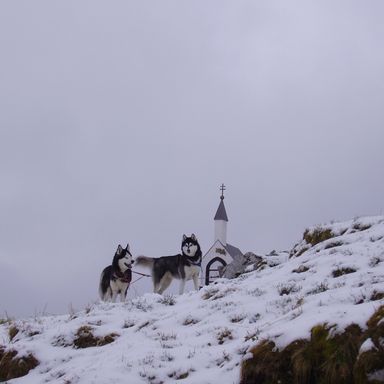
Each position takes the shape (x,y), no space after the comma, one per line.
(335,275)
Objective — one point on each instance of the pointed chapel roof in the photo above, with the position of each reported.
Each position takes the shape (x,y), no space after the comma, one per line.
(233,251)
(221,213)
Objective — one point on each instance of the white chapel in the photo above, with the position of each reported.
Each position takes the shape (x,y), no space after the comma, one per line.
(220,253)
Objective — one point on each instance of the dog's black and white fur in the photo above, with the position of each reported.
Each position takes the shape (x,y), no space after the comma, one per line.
(184,266)
(115,278)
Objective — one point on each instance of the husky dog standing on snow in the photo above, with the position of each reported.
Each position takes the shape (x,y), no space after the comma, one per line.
(184,266)
(115,278)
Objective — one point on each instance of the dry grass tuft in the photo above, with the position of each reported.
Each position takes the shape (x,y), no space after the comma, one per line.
(317,235)
(302,268)
(361,227)
(376,295)
(209,292)
(223,335)
(167,300)
(342,271)
(326,357)
(372,360)
(84,338)
(12,366)
(12,332)
(189,320)
(178,375)
(287,288)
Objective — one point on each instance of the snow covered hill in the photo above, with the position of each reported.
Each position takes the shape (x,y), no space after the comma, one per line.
(335,275)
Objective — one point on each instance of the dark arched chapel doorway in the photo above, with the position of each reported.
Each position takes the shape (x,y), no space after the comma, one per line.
(213,269)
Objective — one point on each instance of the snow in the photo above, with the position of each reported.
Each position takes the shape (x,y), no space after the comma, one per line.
(367,346)
(204,336)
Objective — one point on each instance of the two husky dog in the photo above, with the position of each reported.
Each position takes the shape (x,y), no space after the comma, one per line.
(115,278)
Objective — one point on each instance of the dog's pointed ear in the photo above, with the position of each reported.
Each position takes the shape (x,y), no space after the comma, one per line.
(193,236)
(119,249)
(127,248)
(184,237)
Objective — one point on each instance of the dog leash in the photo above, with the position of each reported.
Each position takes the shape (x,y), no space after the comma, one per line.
(139,278)
(142,274)
(135,281)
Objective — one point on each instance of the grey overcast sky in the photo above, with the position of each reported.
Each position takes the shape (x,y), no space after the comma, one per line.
(120,119)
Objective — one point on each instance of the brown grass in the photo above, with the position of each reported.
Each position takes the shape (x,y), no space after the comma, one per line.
(317,235)
(12,366)
(325,358)
(302,268)
(343,271)
(377,296)
(12,332)
(84,338)
(361,227)
(223,335)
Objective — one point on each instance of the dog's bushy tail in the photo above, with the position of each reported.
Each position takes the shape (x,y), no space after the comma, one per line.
(104,284)
(144,261)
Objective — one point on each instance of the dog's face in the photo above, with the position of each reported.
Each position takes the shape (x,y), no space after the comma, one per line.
(123,258)
(189,245)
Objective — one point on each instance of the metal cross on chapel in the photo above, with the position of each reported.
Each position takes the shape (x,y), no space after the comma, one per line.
(222,188)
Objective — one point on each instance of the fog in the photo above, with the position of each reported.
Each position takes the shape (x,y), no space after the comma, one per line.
(119,121)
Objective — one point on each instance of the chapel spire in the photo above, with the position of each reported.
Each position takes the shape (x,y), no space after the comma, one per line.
(221,220)
(221,213)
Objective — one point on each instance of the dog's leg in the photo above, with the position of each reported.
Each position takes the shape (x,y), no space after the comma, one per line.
(123,294)
(156,286)
(108,295)
(196,281)
(156,283)
(114,295)
(182,286)
(164,283)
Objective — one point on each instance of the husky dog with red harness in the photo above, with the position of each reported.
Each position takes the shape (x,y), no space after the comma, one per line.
(115,278)
(184,266)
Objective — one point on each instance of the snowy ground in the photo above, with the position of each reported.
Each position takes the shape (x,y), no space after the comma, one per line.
(202,337)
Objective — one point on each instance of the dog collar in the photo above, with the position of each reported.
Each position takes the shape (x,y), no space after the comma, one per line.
(125,277)
(194,262)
